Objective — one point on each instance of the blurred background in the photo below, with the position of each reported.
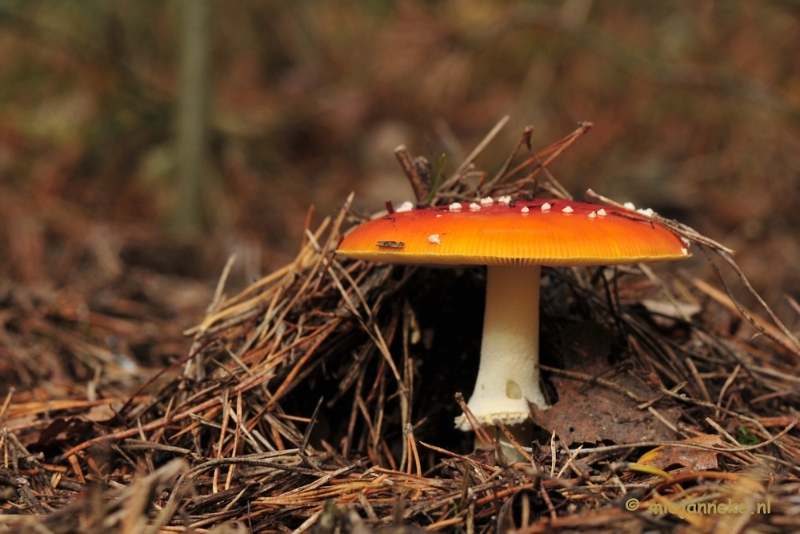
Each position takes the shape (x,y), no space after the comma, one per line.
(144,141)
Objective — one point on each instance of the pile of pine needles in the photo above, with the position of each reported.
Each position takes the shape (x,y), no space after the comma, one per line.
(300,405)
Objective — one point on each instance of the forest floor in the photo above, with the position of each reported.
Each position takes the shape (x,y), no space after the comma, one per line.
(141,397)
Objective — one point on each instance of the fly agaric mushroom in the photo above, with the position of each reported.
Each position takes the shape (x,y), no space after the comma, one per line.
(513,240)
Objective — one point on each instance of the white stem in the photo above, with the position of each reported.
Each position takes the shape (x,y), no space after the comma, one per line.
(508,377)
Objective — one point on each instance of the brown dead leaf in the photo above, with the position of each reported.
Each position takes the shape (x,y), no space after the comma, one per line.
(61,430)
(695,459)
(588,412)
(595,414)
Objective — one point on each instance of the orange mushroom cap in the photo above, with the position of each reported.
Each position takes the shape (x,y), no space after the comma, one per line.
(501,234)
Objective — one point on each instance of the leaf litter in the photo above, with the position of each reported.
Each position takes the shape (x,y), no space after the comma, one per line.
(320,399)
(598,401)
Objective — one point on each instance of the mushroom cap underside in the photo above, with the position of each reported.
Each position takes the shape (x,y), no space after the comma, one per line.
(522,234)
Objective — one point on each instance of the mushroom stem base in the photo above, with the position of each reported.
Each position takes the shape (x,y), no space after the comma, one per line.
(523,433)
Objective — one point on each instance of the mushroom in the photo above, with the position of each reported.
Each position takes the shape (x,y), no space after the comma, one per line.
(513,240)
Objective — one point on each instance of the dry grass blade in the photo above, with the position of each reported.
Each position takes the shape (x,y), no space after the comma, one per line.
(481,146)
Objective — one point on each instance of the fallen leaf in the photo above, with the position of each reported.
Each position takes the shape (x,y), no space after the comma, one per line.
(63,429)
(663,311)
(587,412)
(695,459)
(596,414)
